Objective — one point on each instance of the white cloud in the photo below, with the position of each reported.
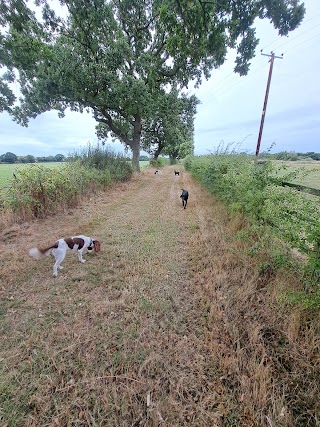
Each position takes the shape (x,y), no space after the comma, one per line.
(48,135)
(232,105)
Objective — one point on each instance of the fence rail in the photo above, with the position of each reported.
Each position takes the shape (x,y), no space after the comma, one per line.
(299,187)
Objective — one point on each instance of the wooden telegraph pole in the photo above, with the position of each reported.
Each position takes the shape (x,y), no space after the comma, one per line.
(272,58)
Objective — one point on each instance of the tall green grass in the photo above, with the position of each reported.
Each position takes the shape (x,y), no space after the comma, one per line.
(159,162)
(105,160)
(37,191)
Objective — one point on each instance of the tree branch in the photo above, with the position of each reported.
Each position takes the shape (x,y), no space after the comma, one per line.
(109,122)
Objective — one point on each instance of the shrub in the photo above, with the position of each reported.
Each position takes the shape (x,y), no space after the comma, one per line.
(159,162)
(106,160)
(38,191)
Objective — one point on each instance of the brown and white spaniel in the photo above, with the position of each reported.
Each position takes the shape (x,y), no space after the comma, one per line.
(62,246)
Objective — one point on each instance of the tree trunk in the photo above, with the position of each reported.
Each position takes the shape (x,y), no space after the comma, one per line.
(158,151)
(173,160)
(135,147)
(135,156)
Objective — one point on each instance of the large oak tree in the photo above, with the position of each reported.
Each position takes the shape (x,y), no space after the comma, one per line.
(113,57)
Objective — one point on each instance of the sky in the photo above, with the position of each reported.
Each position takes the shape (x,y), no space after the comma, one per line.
(231,106)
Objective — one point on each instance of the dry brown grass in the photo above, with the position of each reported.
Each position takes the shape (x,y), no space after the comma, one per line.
(170,325)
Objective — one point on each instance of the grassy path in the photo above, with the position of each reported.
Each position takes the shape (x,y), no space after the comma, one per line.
(143,334)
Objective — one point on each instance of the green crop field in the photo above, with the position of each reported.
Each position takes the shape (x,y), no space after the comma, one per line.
(312,177)
(144,164)
(7,170)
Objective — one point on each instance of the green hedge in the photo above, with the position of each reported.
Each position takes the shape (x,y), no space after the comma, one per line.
(37,191)
(255,190)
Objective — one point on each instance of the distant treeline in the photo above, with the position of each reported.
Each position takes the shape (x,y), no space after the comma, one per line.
(291,155)
(13,158)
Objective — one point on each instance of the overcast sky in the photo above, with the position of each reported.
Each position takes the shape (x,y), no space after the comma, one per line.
(231,106)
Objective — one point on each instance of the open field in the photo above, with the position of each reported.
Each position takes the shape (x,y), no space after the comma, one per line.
(312,179)
(7,170)
(171,324)
(144,164)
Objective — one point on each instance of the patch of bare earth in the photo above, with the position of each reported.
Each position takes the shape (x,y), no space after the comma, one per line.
(170,325)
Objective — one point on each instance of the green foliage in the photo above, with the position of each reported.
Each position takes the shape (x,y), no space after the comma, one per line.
(26,159)
(8,157)
(39,191)
(292,215)
(143,159)
(170,130)
(312,268)
(308,300)
(104,159)
(159,162)
(284,155)
(117,58)
(187,161)
(202,30)
(49,159)
(291,155)
(173,160)
(284,215)
(13,158)
(7,172)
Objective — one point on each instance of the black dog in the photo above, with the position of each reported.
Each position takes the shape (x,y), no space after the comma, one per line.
(176,173)
(184,196)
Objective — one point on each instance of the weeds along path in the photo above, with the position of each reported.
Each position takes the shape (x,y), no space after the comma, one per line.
(145,333)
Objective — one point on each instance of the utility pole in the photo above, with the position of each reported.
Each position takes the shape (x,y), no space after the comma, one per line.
(272,58)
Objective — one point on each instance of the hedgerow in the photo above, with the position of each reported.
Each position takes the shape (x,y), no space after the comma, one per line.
(159,162)
(37,191)
(104,160)
(284,219)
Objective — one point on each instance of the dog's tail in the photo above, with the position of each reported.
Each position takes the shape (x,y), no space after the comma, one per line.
(37,253)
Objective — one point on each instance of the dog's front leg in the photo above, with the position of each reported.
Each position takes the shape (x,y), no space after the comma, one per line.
(80,256)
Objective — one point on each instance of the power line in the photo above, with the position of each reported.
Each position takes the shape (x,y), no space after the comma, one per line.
(305,41)
(299,35)
(223,84)
(219,91)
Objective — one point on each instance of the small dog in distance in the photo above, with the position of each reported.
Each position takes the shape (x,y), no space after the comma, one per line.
(176,173)
(157,172)
(184,197)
